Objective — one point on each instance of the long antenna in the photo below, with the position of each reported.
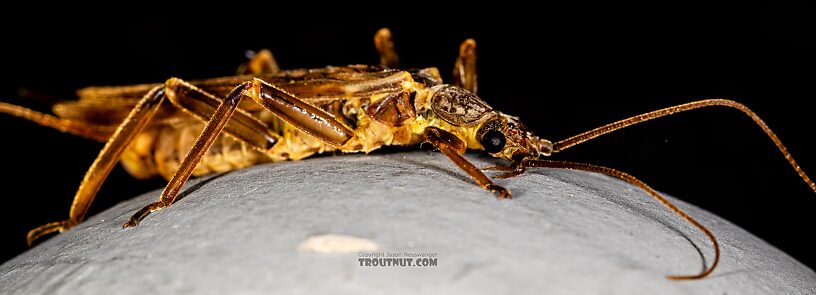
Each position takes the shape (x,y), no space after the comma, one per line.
(572,141)
(633,180)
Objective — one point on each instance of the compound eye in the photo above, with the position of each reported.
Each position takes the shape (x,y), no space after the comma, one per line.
(493,141)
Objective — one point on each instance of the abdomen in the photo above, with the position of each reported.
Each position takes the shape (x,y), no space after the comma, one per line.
(160,149)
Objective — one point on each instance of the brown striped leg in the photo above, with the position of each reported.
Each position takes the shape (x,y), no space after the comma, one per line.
(135,122)
(464,70)
(217,123)
(385,47)
(203,105)
(183,95)
(631,179)
(300,114)
(454,148)
(289,108)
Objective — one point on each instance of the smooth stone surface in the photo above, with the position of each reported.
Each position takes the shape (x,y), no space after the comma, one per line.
(565,232)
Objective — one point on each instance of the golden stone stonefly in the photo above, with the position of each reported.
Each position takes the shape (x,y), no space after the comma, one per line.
(268,114)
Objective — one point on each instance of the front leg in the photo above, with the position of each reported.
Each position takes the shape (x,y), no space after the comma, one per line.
(454,148)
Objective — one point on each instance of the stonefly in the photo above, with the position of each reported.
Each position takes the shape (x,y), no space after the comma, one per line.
(265,114)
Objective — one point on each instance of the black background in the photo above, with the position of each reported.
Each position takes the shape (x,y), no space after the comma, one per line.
(563,70)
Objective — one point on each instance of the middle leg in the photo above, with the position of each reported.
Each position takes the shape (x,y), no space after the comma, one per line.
(211,131)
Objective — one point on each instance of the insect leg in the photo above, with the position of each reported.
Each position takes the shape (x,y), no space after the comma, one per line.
(385,47)
(135,122)
(300,114)
(294,111)
(263,62)
(631,179)
(203,105)
(82,129)
(454,148)
(572,141)
(213,128)
(464,70)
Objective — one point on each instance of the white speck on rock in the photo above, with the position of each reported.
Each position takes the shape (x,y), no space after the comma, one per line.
(337,244)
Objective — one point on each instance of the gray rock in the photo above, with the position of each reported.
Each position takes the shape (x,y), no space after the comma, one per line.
(264,230)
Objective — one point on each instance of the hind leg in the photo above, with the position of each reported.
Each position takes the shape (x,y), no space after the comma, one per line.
(135,122)
(183,95)
(300,114)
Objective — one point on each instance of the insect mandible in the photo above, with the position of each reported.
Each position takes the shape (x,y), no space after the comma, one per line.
(267,114)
